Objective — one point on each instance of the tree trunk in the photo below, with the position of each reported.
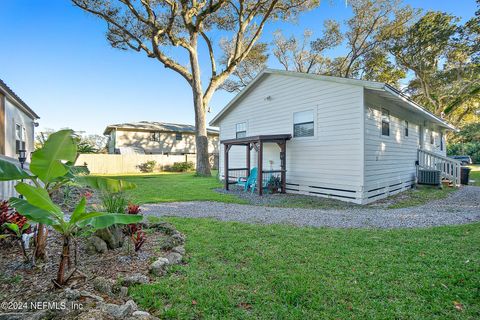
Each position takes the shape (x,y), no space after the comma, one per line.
(201,138)
(41,242)
(63,260)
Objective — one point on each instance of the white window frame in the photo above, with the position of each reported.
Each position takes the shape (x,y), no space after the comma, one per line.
(315,119)
(244,123)
(406,129)
(385,119)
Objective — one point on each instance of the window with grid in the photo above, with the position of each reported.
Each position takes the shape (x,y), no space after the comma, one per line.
(19,138)
(303,124)
(385,122)
(241,130)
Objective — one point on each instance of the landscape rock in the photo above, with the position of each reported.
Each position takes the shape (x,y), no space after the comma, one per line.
(119,311)
(103,285)
(174,258)
(178,238)
(96,244)
(179,249)
(164,227)
(123,292)
(143,315)
(158,267)
(113,236)
(93,314)
(135,278)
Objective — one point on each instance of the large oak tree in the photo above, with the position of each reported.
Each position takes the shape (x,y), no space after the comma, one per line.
(175,31)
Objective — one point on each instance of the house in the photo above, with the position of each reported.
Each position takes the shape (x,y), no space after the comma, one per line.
(156,138)
(353,140)
(17,123)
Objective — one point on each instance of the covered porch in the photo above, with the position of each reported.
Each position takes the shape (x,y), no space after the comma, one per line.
(257,143)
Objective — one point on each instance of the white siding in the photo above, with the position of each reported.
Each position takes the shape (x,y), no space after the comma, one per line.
(332,159)
(390,160)
(13,116)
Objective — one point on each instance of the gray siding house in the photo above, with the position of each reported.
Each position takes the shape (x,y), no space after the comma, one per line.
(352,140)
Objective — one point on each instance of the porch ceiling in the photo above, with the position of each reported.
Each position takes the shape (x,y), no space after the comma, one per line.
(259,138)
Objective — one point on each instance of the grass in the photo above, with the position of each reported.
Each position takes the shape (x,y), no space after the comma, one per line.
(417,197)
(172,187)
(241,271)
(475,175)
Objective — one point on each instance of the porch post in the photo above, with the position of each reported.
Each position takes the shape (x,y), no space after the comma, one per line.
(225,164)
(260,168)
(248,159)
(283,165)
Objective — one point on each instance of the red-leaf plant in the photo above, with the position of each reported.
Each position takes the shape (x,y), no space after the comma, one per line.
(134,230)
(10,215)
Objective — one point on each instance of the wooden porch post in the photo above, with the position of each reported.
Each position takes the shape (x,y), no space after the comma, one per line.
(225,164)
(283,165)
(260,168)
(248,159)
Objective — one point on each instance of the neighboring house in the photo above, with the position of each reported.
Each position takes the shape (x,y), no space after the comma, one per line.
(156,138)
(17,123)
(348,139)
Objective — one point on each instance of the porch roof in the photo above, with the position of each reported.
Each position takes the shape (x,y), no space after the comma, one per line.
(258,138)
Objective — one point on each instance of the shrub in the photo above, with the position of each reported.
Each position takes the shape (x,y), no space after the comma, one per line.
(183,166)
(273,184)
(147,167)
(114,202)
(10,215)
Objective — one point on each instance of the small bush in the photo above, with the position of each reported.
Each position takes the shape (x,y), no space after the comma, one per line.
(183,166)
(135,230)
(147,167)
(114,202)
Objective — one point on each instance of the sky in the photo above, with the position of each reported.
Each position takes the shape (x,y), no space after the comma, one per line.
(57,59)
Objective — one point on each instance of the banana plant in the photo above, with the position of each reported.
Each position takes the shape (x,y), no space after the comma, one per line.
(37,206)
(18,234)
(51,167)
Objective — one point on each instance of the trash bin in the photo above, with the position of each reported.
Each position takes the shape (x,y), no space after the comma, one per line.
(464,173)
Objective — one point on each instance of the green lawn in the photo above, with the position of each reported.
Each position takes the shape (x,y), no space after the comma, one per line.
(170,187)
(475,174)
(242,271)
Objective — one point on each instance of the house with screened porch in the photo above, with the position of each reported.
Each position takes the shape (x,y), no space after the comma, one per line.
(348,139)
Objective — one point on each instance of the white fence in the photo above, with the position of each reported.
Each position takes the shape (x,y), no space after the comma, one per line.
(127,163)
(7,188)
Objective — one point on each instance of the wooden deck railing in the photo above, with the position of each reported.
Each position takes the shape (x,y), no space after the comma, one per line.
(449,168)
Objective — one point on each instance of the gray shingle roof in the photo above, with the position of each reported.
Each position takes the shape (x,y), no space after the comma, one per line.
(12,95)
(155,126)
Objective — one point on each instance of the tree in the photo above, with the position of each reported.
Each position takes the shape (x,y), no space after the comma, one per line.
(441,54)
(172,31)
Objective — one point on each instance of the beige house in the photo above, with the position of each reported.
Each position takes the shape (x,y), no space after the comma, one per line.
(17,123)
(156,138)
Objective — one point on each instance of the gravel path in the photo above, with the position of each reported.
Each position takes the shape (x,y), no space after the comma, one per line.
(460,207)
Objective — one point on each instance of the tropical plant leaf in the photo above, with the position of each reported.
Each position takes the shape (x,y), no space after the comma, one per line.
(104,219)
(48,162)
(106,184)
(79,211)
(9,171)
(39,198)
(13,227)
(33,213)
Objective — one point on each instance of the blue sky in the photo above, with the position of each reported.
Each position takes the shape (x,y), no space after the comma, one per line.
(56,58)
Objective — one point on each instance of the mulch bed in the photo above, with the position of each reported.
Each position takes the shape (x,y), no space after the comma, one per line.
(21,282)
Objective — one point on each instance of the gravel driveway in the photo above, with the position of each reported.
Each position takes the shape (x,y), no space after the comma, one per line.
(460,207)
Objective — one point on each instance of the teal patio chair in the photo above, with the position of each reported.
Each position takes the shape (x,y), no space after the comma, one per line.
(249,181)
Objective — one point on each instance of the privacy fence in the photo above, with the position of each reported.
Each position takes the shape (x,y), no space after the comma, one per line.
(129,163)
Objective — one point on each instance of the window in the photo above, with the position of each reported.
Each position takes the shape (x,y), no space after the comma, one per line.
(406,128)
(19,138)
(441,141)
(155,136)
(241,130)
(432,138)
(385,122)
(303,124)
(178,136)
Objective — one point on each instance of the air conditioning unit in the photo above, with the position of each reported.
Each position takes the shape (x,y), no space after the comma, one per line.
(430,177)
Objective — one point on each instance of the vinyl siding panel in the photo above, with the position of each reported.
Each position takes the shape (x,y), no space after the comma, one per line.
(333,158)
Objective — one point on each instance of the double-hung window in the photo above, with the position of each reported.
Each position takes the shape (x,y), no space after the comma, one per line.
(385,122)
(241,130)
(303,124)
(406,128)
(19,138)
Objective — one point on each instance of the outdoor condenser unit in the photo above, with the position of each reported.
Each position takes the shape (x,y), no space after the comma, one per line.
(431,177)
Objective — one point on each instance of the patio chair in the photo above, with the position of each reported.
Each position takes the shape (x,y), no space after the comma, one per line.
(264,183)
(247,182)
